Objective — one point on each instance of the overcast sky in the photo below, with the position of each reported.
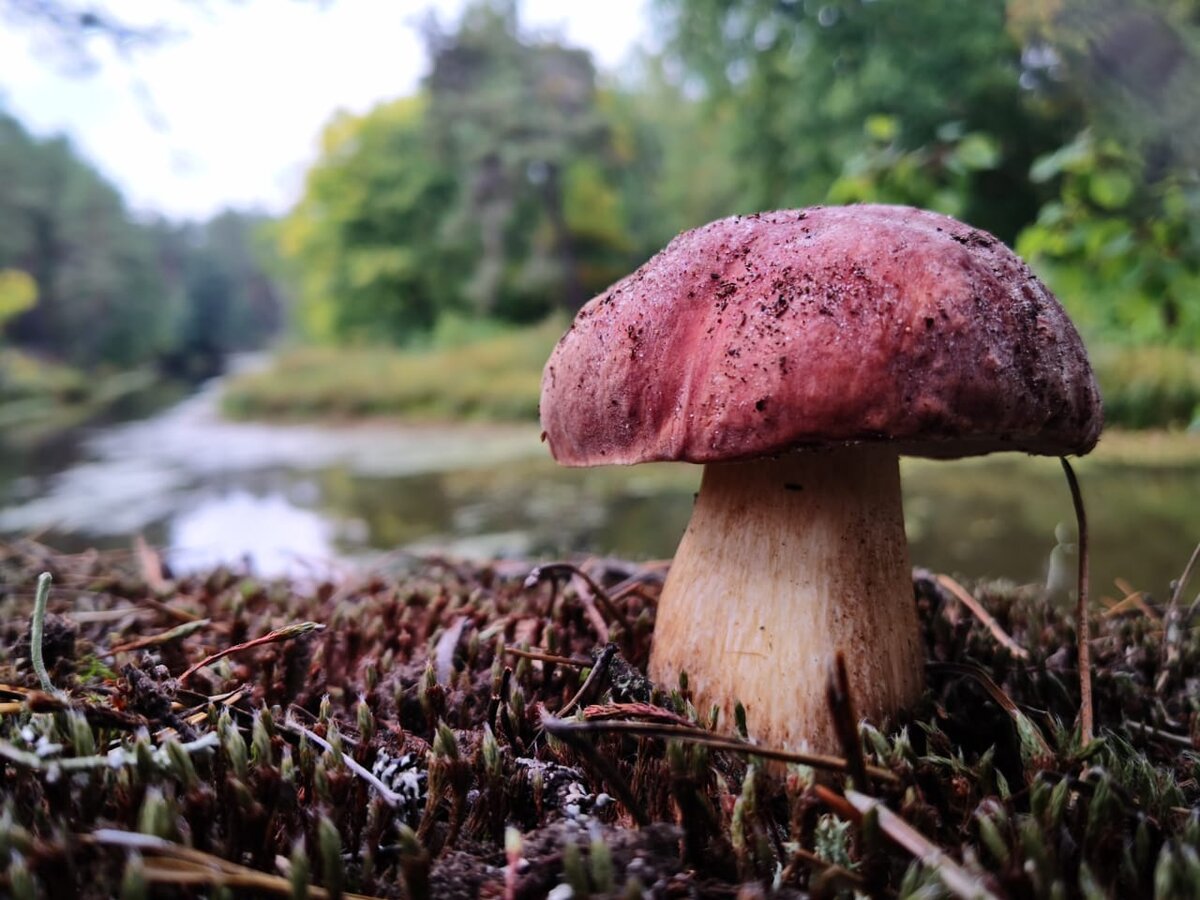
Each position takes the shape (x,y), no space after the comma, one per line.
(229,113)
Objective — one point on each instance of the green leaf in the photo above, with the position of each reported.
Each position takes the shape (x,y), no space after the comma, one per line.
(978,152)
(1110,188)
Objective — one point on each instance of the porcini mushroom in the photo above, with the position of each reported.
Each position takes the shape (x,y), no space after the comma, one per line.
(797,354)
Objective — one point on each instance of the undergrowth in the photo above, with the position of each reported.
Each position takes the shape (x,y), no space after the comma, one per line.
(492,376)
(200,736)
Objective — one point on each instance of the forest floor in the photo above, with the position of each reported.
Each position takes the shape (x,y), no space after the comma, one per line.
(452,730)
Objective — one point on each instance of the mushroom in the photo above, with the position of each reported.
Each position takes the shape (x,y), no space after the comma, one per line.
(797,355)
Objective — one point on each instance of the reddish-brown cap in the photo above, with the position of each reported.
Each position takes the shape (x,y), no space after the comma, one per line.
(757,334)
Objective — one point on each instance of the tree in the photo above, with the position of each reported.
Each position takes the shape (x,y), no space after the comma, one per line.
(802,79)
(1121,240)
(99,289)
(517,120)
(365,239)
(221,278)
(497,191)
(113,291)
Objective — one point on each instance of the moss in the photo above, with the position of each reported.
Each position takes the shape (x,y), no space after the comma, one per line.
(472,797)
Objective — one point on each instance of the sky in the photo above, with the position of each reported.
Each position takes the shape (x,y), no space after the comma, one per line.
(228,112)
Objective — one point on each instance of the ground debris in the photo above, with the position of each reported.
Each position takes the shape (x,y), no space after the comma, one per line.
(401,750)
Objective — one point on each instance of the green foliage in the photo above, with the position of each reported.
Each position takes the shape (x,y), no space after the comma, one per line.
(798,80)
(112,292)
(364,240)
(18,293)
(512,115)
(23,375)
(98,290)
(671,158)
(1122,251)
(938,176)
(233,301)
(505,189)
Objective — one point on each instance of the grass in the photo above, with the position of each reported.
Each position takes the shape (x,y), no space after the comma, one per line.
(1149,387)
(495,376)
(224,745)
(39,396)
(25,377)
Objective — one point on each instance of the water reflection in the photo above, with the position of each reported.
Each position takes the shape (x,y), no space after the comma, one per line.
(271,533)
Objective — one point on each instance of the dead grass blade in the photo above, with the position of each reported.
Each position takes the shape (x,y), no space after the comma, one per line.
(1033,743)
(967,599)
(957,880)
(171,863)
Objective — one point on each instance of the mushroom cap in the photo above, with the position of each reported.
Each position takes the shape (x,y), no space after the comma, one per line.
(754,335)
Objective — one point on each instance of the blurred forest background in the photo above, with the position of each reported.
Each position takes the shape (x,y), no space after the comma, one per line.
(443,239)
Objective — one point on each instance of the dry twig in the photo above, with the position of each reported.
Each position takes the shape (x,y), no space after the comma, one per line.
(279,634)
(540,656)
(690,734)
(594,676)
(967,599)
(845,722)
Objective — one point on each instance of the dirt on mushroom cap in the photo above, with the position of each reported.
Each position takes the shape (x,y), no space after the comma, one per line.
(756,334)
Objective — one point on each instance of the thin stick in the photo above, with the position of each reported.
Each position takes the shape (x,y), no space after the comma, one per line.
(967,599)
(1185,577)
(957,880)
(547,657)
(165,637)
(1133,599)
(37,632)
(559,727)
(390,797)
(1081,614)
(279,634)
(594,676)
(549,570)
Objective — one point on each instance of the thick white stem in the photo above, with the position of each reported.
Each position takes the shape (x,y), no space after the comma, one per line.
(785,562)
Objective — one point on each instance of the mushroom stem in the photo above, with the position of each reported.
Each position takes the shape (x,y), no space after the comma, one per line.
(785,561)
